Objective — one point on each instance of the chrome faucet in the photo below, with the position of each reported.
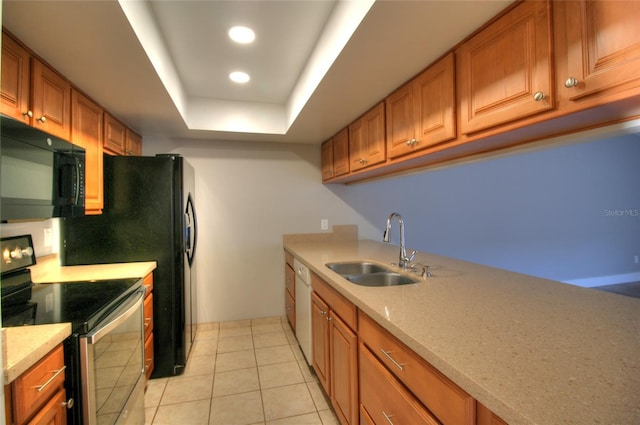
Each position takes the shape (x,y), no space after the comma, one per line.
(404,261)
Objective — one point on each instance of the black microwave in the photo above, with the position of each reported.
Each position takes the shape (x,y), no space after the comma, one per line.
(41,176)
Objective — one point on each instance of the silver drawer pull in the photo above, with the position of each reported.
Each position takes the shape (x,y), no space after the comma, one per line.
(388,417)
(55,375)
(388,354)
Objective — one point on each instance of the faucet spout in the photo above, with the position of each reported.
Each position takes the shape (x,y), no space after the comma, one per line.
(404,260)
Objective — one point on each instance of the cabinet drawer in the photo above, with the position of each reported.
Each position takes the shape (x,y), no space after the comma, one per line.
(148,283)
(289,280)
(448,402)
(34,387)
(342,306)
(148,315)
(288,258)
(393,405)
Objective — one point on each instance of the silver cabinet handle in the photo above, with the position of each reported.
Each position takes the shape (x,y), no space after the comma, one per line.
(571,82)
(28,114)
(388,354)
(68,404)
(412,142)
(42,119)
(388,417)
(538,96)
(50,380)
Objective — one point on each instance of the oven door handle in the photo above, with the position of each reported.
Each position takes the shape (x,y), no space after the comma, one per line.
(121,314)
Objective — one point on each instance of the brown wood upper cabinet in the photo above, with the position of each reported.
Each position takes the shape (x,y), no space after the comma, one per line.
(505,71)
(32,92)
(422,112)
(120,140)
(603,46)
(367,139)
(335,155)
(16,80)
(87,133)
(133,143)
(114,135)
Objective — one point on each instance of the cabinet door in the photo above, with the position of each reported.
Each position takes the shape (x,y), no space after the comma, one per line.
(603,40)
(148,356)
(16,73)
(367,139)
(114,135)
(133,144)
(51,101)
(422,113)
(87,132)
(434,104)
(400,121)
(326,158)
(290,309)
(54,412)
(344,370)
(505,71)
(341,152)
(320,340)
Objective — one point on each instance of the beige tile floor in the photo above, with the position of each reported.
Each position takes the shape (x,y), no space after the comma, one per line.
(241,373)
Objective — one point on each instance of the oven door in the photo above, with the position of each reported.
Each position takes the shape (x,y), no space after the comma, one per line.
(112,366)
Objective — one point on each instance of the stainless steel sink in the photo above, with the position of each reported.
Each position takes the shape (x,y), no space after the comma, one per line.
(382,279)
(366,273)
(357,268)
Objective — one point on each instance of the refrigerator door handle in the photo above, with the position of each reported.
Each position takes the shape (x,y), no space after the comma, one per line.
(191,230)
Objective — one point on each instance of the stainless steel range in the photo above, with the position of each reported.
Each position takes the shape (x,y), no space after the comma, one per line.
(104,356)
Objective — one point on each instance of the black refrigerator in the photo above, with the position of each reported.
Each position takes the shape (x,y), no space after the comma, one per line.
(148,215)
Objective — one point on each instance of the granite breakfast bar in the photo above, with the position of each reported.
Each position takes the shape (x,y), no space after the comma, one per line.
(533,351)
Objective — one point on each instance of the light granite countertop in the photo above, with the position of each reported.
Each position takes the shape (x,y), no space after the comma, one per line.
(24,346)
(48,269)
(532,350)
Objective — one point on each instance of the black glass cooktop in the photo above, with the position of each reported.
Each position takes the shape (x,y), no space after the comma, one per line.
(83,304)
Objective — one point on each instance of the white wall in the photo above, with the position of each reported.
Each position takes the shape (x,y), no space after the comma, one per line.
(247,196)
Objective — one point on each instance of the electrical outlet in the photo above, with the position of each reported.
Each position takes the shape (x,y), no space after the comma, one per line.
(48,237)
(324,224)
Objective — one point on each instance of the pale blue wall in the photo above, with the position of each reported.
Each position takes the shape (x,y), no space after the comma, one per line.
(542,213)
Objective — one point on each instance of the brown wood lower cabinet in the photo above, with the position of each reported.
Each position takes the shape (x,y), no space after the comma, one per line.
(344,369)
(38,396)
(444,399)
(335,349)
(372,378)
(54,412)
(290,290)
(384,399)
(148,325)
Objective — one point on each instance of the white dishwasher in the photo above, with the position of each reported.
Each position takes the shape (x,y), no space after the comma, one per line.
(303,309)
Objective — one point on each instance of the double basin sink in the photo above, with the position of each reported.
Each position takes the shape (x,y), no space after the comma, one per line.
(366,273)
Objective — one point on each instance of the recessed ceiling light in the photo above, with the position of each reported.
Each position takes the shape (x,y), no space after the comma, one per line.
(242,35)
(239,77)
